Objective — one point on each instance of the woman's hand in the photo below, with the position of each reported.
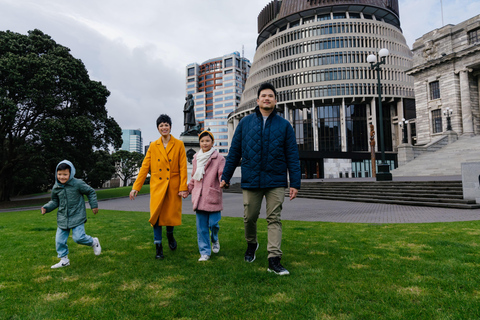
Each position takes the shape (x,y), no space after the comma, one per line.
(133,194)
(183,194)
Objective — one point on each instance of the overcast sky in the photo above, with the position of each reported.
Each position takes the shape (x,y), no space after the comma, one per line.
(139,49)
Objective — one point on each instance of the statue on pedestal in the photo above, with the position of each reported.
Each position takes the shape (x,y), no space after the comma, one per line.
(191,126)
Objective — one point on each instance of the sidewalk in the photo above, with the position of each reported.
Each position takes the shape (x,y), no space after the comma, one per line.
(319,210)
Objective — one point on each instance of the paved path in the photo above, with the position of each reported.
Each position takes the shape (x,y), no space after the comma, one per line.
(320,210)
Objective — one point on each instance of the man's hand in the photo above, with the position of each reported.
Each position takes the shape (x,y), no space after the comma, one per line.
(95,210)
(43,210)
(133,194)
(224,185)
(293,193)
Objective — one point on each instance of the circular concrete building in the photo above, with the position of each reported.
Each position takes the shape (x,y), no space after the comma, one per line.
(315,53)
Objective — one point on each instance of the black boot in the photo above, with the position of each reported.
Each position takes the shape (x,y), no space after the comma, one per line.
(172,243)
(159,254)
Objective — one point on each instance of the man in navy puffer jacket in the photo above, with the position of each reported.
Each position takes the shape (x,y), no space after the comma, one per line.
(266,145)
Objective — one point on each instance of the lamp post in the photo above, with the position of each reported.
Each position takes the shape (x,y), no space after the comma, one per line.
(383,173)
(405,132)
(447,113)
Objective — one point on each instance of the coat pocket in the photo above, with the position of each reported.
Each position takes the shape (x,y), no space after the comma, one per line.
(214,196)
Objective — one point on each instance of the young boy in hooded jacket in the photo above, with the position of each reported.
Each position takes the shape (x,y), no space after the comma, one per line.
(67,196)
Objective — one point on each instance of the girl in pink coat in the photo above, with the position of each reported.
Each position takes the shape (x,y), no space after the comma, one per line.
(206,194)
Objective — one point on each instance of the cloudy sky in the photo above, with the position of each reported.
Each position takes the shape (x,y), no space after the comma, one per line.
(139,49)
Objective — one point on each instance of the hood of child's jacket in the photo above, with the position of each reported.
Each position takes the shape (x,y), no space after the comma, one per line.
(72,171)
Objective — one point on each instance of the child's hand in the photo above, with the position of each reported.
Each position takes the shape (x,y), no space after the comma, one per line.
(43,210)
(95,210)
(183,194)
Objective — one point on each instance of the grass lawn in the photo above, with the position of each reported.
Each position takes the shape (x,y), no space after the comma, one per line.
(338,271)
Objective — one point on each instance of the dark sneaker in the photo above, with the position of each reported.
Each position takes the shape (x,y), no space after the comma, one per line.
(275,266)
(250,253)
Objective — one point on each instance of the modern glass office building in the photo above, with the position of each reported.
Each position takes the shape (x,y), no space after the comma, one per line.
(216,86)
(132,140)
(315,53)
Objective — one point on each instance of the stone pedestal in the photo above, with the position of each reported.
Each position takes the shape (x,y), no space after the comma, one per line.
(405,154)
(192,146)
(452,136)
(471,181)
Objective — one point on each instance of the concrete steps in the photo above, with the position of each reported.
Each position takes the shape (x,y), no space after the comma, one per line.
(444,194)
(445,161)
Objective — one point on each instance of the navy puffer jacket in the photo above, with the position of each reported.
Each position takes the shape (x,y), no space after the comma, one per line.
(266,153)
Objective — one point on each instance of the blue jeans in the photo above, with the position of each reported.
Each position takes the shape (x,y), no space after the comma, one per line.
(206,222)
(78,235)
(157,233)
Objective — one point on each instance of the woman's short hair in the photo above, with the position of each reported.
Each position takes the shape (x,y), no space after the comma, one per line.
(164,119)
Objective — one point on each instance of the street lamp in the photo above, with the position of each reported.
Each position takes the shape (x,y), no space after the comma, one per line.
(405,133)
(447,113)
(383,173)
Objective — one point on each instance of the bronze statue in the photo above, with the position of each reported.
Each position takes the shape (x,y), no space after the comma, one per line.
(189,113)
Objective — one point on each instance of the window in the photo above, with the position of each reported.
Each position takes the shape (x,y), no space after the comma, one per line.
(437,121)
(191,72)
(434,90)
(473,36)
(228,62)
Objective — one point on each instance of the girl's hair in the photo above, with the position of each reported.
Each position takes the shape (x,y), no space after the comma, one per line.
(204,134)
(64,166)
(164,119)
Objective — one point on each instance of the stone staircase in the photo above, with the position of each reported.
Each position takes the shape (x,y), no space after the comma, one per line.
(446,161)
(443,194)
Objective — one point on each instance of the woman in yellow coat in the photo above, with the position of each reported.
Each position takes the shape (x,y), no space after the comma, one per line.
(167,162)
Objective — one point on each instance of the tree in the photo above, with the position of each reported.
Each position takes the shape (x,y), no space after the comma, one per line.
(102,170)
(127,164)
(50,110)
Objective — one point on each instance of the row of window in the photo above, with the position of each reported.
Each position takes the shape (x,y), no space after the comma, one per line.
(326,44)
(333,28)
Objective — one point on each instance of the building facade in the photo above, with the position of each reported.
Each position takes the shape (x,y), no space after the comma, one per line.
(446,71)
(315,53)
(217,85)
(132,140)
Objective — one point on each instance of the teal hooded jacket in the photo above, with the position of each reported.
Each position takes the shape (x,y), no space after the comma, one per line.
(69,200)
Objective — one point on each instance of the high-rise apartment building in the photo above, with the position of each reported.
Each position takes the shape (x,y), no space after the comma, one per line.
(217,85)
(132,140)
(315,53)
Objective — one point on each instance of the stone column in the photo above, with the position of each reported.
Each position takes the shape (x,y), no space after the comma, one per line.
(315,126)
(466,104)
(343,123)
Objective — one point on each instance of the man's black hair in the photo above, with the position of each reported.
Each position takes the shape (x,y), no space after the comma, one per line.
(64,166)
(164,119)
(264,86)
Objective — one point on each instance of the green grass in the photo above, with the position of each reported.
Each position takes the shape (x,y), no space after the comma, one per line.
(338,271)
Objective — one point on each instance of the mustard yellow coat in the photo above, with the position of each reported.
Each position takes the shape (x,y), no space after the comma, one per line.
(168,176)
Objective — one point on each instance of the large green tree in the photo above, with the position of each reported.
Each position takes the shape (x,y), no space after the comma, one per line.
(50,110)
(127,164)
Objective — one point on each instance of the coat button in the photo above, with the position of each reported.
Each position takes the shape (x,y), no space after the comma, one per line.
(168,179)
(168,169)
(160,169)
(160,178)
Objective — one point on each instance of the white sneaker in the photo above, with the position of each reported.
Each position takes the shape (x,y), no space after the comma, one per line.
(204,257)
(216,246)
(63,263)
(96,247)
